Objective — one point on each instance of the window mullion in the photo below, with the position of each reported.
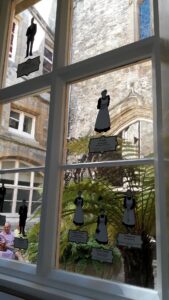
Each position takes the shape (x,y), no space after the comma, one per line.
(50,202)
(110,60)
(161,138)
(5,15)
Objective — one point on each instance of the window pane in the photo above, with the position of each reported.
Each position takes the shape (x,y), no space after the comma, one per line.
(48,54)
(100,26)
(8,178)
(14,120)
(7,207)
(145,19)
(22,195)
(8,164)
(29,146)
(24,179)
(27,125)
(30,44)
(36,200)
(111,116)
(108,224)
(38,180)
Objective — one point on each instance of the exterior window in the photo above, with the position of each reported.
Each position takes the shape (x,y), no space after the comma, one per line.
(47,62)
(13,41)
(145,19)
(14,120)
(23,185)
(22,123)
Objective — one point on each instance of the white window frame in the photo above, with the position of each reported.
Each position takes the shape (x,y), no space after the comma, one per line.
(44,281)
(20,131)
(15,186)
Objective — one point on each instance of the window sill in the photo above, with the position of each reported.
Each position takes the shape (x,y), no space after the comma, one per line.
(21,280)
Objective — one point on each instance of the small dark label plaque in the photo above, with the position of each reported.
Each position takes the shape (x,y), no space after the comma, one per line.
(30,66)
(129,240)
(21,243)
(78,236)
(102,255)
(103,144)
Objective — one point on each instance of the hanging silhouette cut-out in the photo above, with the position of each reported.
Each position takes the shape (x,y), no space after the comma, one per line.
(103,119)
(22,217)
(78,216)
(30,33)
(2,196)
(129,212)
(101,230)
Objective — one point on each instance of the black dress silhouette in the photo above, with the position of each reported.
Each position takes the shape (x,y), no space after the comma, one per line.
(30,33)
(22,217)
(78,216)
(129,212)
(103,119)
(101,230)
(2,196)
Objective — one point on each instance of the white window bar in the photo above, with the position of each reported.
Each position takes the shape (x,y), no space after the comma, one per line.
(82,287)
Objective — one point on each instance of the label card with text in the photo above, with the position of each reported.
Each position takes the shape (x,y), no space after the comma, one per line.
(21,243)
(102,255)
(103,144)
(30,66)
(78,236)
(129,240)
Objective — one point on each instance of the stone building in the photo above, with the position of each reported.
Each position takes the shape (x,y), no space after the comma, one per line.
(98,26)
(24,123)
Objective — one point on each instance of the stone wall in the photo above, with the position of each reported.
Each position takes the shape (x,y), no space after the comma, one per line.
(18,146)
(100,26)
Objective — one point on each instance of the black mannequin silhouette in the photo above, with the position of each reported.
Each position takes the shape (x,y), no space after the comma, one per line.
(30,33)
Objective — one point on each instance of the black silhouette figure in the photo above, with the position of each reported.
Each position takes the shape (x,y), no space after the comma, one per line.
(129,212)
(79,216)
(2,196)
(22,217)
(101,230)
(30,33)
(103,119)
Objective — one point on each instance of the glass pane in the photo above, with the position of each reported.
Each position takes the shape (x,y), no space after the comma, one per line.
(108,224)
(23,165)
(8,178)
(24,179)
(38,179)
(27,125)
(8,164)
(14,120)
(36,200)
(111,116)
(7,207)
(100,26)
(29,147)
(22,195)
(32,32)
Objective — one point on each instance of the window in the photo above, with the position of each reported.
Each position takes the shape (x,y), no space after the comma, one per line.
(143,275)
(48,59)
(145,19)
(22,123)
(13,41)
(24,185)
